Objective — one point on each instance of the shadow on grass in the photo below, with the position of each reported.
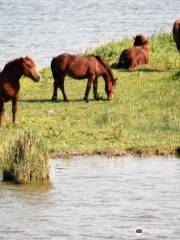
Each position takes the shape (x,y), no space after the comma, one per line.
(115,66)
(35,100)
(176,76)
(151,70)
(59,100)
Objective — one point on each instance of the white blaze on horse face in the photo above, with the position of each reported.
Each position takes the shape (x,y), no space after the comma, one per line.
(36,73)
(36,70)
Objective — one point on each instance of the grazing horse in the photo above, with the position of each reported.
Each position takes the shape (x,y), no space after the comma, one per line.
(9,82)
(137,55)
(78,67)
(176,33)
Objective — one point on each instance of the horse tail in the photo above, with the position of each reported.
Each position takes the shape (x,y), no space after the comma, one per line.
(123,60)
(54,68)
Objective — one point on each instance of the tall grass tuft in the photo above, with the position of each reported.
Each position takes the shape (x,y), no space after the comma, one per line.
(25,159)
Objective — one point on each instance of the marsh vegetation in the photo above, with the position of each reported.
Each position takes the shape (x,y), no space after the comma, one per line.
(25,159)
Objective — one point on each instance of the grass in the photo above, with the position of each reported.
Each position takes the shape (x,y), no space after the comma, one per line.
(143,117)
(24,159)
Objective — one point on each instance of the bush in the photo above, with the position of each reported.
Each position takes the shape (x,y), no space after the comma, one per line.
(25,159)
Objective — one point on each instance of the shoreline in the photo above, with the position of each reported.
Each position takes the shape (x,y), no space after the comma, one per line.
(140,153)
(115,154)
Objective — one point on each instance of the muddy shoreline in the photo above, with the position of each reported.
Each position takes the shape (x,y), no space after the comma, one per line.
(138,153)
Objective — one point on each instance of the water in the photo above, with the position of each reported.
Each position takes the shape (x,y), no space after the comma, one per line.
(43,28)
(96,198)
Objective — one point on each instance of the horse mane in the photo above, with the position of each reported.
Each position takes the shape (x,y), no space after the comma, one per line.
(141,40)
(10,64)
(105,65)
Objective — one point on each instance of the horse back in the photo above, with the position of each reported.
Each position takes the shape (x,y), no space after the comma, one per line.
(139,55)
(78,67)
(124,59)
(176,33)
(133,57)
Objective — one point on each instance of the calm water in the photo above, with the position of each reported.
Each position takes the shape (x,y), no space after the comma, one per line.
(43,28)
(96,198)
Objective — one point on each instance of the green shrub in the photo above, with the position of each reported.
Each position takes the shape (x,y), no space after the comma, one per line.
(25,159)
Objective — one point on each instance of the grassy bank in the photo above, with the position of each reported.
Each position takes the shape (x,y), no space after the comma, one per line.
(143,117)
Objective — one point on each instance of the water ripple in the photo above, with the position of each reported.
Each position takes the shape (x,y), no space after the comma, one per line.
(44,29)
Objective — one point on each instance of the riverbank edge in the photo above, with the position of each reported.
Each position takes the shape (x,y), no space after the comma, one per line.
(137,153)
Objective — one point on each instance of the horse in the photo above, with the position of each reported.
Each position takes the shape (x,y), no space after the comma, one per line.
(137,55)
(176,34)
(81,67)
(10,85)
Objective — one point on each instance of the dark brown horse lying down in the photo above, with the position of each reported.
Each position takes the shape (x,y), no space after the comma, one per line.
(78,67)
(9,82)
(176,33)
(137,55)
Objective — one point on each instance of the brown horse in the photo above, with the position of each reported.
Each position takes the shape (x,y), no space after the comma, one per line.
(176,33)
(9,82)
(78,67)
(137,55)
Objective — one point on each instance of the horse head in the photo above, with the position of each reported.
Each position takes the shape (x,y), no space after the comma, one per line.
(110,81)
(29,69)
(110,87)
(140,40)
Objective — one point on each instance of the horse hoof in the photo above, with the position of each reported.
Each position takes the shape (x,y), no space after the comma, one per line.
(86,100)
(110,98)
(54,100)
(97,98)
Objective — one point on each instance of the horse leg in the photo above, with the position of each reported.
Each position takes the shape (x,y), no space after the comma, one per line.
(178,46)
(61,85)
(14,108)
(91,79)
(54,96)
(2,111)
(96,95)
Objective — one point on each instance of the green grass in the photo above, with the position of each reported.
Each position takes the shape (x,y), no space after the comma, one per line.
(142,118)
(24,159)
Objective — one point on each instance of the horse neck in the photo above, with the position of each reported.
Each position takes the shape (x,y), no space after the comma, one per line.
(103,71)
(13,74)
(107,78)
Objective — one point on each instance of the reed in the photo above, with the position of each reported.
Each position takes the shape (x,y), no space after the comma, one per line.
(24,159)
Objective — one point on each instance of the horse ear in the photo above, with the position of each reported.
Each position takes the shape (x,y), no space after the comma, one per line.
(115,79)
(21,59)
(134,37)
